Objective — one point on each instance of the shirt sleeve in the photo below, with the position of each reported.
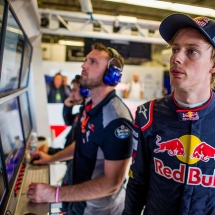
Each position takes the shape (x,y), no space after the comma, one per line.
(117,140)
(67,115)
(138,184)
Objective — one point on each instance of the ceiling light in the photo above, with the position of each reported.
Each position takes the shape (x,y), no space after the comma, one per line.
(170,6)
(71,43)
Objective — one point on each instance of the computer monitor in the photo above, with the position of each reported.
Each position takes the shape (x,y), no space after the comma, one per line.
(12,55)
(26,64)
(11,136)
(25,115)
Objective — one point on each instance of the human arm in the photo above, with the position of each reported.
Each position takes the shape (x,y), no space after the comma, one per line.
(62,155)
(138,184)
(142,91)
(67,111)
(126,91)
(116,145)
(141,95)
(114,173)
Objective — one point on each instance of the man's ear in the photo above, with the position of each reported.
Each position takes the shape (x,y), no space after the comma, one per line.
(212,70)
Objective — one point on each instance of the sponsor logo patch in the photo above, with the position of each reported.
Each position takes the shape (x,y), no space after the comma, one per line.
(122,132)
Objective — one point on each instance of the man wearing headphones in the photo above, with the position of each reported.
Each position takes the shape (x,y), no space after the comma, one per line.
(104,144)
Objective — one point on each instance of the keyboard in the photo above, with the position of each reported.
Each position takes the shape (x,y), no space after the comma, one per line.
(36,176)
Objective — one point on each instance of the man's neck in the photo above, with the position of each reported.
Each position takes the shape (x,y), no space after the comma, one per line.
(192,98)
(99,93)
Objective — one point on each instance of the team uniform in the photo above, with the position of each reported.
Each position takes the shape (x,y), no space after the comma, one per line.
(106,134)
(173,169)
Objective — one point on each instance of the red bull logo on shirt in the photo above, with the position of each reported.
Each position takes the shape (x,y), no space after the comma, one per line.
(190,115)
(188,149)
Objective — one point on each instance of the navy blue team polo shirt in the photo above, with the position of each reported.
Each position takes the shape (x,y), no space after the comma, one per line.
(106,134)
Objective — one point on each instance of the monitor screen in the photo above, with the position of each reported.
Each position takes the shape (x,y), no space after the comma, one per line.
(25,114)
(11,136)
(26,64)
(12,56)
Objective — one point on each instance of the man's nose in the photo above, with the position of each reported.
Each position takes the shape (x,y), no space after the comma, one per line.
(177,57)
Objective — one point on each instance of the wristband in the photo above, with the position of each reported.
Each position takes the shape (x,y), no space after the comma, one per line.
(57,194)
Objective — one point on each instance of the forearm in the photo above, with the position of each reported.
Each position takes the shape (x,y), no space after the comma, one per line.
(89,190)
(97,188)
(65,154)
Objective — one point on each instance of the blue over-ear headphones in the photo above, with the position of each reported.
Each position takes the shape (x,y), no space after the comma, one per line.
(83,90)
(113,73)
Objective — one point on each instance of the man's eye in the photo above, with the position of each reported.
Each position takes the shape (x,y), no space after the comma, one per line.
(174,50)
(192,51)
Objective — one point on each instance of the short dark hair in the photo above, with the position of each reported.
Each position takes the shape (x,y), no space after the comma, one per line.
(75,80)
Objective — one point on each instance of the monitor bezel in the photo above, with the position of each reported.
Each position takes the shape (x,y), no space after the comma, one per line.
(26,139)
(27,41)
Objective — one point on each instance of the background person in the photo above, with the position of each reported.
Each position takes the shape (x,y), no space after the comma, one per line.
(65,83)
(135,89)
(174,148)
(103,148)
(56,91)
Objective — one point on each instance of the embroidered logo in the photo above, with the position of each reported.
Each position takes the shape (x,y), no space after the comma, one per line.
(122,132)
(202,21)
(143,110)
(190,116)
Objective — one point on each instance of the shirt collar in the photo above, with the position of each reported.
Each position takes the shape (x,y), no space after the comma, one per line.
(98,107)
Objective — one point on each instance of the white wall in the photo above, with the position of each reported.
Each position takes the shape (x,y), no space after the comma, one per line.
(152,77)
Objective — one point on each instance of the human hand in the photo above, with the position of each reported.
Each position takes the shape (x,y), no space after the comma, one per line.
(42,158)
(69,102)
(43,148)
(41,192)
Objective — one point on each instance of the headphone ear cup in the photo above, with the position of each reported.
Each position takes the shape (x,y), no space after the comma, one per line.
(112,76)
(84,91)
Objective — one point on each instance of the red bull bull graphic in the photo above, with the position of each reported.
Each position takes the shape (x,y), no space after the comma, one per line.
(204,152)
(174,147)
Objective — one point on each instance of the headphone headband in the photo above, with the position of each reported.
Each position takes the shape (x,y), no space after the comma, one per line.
(115,55)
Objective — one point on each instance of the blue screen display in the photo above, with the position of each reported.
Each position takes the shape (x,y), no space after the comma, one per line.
(11,135)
